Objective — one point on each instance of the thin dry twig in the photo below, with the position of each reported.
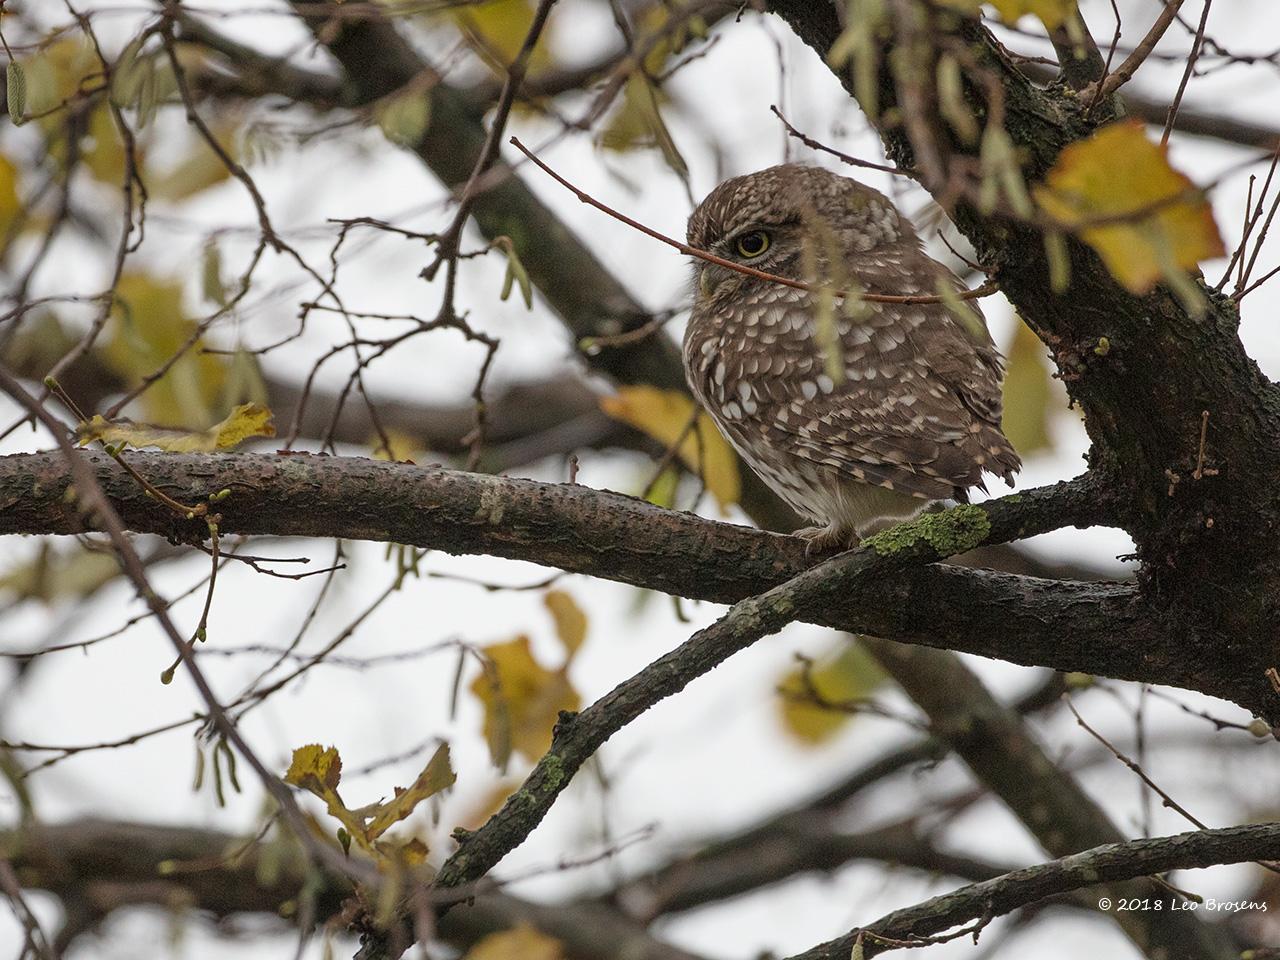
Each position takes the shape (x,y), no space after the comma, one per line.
(1126,70)
(985,290)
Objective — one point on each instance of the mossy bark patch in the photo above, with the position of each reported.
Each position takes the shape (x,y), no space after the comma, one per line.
(948,533)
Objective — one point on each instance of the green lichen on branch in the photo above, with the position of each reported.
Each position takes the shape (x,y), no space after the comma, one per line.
(947,533)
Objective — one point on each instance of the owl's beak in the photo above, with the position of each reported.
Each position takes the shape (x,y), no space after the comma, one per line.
(711,277)
(704,281)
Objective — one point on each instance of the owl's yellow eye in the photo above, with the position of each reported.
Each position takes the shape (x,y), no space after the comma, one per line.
(752,244)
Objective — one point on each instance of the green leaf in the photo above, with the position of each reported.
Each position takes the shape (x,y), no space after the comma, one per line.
(951,101)
(516,274)
(211,285)
(16,87)
(404,117)
(131,74)
(637,122)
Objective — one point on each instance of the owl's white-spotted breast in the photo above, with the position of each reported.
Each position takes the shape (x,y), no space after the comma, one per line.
(856,413)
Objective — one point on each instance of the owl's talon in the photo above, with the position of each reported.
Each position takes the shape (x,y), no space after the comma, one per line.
(830,539)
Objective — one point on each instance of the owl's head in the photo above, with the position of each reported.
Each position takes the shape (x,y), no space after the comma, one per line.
(790,220)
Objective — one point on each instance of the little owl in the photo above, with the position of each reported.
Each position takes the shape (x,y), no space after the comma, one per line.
(858,414)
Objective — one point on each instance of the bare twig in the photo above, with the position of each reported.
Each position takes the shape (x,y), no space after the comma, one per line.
(983,291)
(1105,88)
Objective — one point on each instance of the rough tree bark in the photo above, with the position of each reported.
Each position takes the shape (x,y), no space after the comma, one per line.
(1206,540)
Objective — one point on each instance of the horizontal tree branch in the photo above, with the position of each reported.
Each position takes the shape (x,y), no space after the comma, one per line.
(1003,753)
(98,866)
(1105,864)
(1095,627)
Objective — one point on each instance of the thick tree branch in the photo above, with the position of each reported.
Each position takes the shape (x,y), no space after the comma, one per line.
(1104,864)
(1096,627)
(1205,538)
(1003,754)
(798,842)
(103,865)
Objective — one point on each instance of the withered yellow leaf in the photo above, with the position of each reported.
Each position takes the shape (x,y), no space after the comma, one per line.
(1028,393)
(501,27)
(10,206)
(245,421)
(518,943)
(571,622)
(435,776)
(1051,12)
(395,445)
(522,700)
(663,415)
(1148,219)
(148,327)
(844,674)
(314,765)
(318,770)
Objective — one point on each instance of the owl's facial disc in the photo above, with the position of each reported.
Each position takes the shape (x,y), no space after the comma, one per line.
(755,245)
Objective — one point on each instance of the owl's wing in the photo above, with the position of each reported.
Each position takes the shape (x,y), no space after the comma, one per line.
(917,409)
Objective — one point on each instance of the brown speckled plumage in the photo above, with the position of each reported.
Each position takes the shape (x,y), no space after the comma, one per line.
(852,416)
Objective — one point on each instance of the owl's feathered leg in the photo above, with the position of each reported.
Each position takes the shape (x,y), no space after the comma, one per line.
(832,538)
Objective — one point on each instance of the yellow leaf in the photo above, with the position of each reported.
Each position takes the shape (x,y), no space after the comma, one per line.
(435,776)
(103,150)
(200,169)
(663,415)
(489,803)
(847,673)
(148,326)
(571,622)
(1028,391)
(315,767)
(10,207)
(318,770)
(403,445)
(501,27)
(1051,12)
(56,72)
(637,122)
(52,576)
(245,421)
(412,853)
(1151,221)
(522,700)
(519,943)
